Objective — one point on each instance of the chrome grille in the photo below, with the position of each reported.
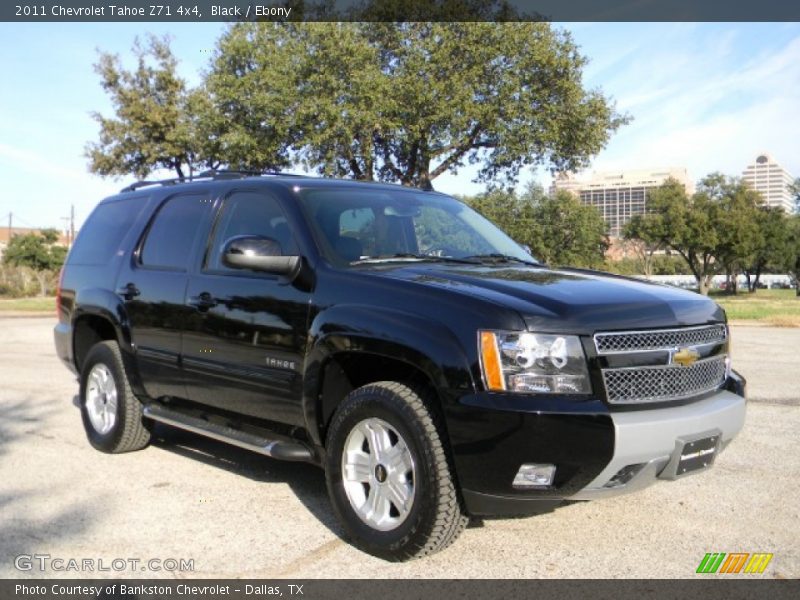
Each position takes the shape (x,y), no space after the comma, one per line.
(664,382)
(658,339)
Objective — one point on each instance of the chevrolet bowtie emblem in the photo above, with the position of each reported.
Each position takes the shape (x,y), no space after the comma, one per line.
(685,357)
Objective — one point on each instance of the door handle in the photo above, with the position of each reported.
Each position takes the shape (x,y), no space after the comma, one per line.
(203,301)
(128,291)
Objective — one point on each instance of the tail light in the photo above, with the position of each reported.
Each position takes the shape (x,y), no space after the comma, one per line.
(58,293)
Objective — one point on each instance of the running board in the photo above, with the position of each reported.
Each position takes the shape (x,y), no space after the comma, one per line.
(280,449)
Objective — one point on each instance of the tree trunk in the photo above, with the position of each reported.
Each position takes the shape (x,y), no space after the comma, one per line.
(42,277)
(702,285)
(757,280)
(425,182)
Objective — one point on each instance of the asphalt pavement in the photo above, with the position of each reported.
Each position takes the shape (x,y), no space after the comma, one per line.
(225,512)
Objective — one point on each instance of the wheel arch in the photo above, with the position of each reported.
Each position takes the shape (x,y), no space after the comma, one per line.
(344,356)
(101,316)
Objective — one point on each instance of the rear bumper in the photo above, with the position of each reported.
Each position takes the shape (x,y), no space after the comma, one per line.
(493,435)
(62,335)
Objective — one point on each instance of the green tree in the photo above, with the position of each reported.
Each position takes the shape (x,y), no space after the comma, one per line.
(715,231)
(794,189)
(792,257)
(156,122)
(645,234)
(38,252)
(572,233)
(559,230)
(407,101)
(772,245)
(515,214)
(737,211)
(687,226)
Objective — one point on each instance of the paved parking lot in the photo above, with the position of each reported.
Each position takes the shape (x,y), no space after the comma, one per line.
(237,514)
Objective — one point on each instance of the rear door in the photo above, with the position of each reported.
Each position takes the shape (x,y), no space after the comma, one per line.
(244,345)
(153,286)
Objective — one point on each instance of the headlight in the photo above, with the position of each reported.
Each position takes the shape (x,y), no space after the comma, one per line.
(533,363)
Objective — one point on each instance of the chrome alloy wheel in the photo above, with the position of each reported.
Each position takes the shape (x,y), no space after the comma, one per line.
(378,473)
(101,399)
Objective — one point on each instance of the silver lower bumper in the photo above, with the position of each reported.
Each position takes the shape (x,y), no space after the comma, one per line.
(654,437)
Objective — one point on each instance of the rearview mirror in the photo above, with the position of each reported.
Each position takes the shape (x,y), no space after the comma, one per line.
(402,211)
(259,253)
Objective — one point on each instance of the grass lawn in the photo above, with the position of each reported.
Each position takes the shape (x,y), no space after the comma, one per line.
(780,308)
(46,304)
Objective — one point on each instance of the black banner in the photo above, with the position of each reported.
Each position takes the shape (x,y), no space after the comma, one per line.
(712,588)
(398,10)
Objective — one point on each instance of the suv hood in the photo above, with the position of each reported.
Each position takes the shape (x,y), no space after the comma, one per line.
(582,302)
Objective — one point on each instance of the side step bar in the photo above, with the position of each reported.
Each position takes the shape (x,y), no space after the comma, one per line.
(280,449)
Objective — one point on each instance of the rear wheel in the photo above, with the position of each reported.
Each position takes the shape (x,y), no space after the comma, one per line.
(388,473)
(112,415)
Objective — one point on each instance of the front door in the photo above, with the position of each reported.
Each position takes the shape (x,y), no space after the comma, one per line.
(243,348)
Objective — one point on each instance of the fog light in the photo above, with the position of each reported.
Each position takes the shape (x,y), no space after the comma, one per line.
(624,475)
(534,476)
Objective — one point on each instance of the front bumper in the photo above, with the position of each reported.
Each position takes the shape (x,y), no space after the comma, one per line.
(654,438)
(493,434)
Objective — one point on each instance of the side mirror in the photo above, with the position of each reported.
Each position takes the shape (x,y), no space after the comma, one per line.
(526,248)
(259,253)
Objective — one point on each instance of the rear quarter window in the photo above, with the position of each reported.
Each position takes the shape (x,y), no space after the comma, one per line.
(102,234)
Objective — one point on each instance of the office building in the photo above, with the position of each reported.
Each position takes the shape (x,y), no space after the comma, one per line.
(619,195)
(769,178)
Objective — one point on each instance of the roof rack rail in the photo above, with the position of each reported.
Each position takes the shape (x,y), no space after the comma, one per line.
(213,174)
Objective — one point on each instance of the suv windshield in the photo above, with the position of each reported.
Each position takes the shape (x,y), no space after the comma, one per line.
(359,226)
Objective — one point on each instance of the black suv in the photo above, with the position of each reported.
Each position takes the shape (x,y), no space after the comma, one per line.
(394,337)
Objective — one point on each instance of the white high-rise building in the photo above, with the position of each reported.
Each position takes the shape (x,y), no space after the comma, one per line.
(619,195)
(765,175)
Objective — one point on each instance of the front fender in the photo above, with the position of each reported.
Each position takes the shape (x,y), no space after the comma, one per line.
(428,346)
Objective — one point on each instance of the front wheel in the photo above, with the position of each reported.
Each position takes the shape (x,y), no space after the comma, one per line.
(388,473)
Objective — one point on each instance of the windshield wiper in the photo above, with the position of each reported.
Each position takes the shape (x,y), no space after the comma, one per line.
(400,256)
(496,257)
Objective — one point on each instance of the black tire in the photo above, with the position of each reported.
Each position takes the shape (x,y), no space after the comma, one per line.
(435,518)
(128,432)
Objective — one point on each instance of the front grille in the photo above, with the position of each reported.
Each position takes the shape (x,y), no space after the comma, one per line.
(662,383)
(658,339)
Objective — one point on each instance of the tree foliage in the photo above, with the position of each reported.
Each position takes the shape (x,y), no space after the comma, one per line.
(36,251)
(722,228)
(559,230)
(771,247)
(792,257)
(407,102)
(794,189)
(158,122)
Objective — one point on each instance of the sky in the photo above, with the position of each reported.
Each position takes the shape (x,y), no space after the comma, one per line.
(704,96)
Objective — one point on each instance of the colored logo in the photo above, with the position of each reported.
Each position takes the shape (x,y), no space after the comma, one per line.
(685,357)
(735,562)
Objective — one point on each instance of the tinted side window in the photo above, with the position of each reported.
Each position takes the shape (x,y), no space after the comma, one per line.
(171,236)
(250,213)
(102,233)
